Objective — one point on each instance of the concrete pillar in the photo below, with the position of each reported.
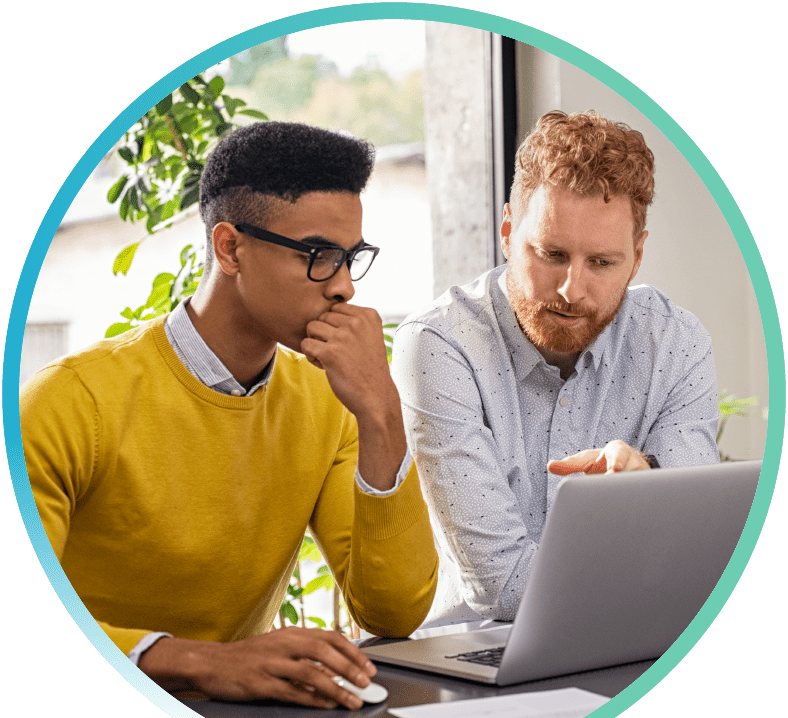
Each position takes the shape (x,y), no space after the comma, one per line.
(457,125)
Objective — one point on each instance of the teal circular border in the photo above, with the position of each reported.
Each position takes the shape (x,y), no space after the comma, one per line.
(390,11)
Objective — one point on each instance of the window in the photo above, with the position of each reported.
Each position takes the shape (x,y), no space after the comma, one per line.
(41,344)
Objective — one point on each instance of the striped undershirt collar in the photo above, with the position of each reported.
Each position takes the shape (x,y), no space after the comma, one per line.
(198,358)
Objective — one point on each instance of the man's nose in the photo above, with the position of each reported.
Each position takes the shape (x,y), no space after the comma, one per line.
(572,288)
(340,286)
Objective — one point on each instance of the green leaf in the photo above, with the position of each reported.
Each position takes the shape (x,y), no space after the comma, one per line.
(189,288)
(188,124)
(189,93)
(323,570)
(289,612)
(143,183)
(731,406)
(223,128)
(216,85)
(127,313)
(186,254)
(164,106)
(231,104)
(147,148)
(294,591)
(190,197)
(116,189)
(325,582)
(123,210)
(126,154)
(123,261)
(253,113)
(134,199)
(191,180)
(160,293)
(309,552)
(168,210)
(317,621)
(150,223)
(116,329)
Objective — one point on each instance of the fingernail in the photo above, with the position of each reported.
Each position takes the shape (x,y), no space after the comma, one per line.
(330,705)
(355,702)
(362,680)
(370,668)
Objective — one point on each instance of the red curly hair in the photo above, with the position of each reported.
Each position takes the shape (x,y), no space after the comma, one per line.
(587,154)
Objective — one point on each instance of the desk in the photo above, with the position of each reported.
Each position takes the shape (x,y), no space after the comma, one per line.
(409,687)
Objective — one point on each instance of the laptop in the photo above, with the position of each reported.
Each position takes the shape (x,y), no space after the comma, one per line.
(625,563)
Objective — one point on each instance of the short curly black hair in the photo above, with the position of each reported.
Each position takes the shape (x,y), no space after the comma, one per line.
(282,160)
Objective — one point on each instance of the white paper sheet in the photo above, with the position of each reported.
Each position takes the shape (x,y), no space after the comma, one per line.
(561,703)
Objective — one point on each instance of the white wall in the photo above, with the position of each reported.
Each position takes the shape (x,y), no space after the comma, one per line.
(690,254)
(76,285)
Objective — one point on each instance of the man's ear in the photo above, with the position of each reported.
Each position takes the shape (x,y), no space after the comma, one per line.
(225,244)
(506,230)
(638,255)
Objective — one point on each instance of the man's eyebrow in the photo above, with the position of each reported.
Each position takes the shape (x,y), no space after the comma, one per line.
(552,247)
(609,255)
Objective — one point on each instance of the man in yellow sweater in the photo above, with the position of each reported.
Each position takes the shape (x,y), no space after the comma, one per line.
(177,466)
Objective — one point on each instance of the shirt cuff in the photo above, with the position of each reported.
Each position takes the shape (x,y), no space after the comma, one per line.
(144,645)
(403,470)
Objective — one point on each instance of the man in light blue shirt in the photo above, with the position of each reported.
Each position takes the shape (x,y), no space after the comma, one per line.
(549,365)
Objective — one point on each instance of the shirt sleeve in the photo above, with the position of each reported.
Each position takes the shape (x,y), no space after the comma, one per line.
(400,477)
(684,432)
(60,429)
(379,548)
(479,520)
(136,653)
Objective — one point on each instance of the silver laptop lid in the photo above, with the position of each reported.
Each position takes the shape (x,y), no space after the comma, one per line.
(625,563)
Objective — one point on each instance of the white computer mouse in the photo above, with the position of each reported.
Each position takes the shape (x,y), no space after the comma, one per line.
(373,693)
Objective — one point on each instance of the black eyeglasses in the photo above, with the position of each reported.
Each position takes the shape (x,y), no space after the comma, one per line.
(324,262)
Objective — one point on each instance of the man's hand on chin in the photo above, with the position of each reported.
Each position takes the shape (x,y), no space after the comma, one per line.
(616,456)
(347,342)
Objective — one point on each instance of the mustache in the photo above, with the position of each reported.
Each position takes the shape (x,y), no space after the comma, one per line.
(576,309)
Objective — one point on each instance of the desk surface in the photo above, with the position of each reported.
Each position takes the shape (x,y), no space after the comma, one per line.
(409,687)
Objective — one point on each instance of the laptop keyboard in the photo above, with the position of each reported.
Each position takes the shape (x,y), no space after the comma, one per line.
(486,657)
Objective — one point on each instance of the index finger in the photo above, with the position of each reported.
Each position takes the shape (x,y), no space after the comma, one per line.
(345,308)
(343,657)
(572,464)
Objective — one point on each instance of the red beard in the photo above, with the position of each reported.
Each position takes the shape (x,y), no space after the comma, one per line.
(545,331)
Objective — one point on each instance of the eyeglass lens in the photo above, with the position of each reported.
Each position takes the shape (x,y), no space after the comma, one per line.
(328,261)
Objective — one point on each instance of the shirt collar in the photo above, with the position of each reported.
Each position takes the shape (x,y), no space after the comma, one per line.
(525,355)
(198,358)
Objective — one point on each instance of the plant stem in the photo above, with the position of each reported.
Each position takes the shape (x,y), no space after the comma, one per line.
(337,613)
(297,573)
(176,137)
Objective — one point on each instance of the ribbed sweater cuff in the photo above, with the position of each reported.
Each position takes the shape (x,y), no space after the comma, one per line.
(382,517)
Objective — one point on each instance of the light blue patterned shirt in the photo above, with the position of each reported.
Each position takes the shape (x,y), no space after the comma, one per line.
(484,414)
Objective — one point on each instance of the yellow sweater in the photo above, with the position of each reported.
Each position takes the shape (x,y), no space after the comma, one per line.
(175,508)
